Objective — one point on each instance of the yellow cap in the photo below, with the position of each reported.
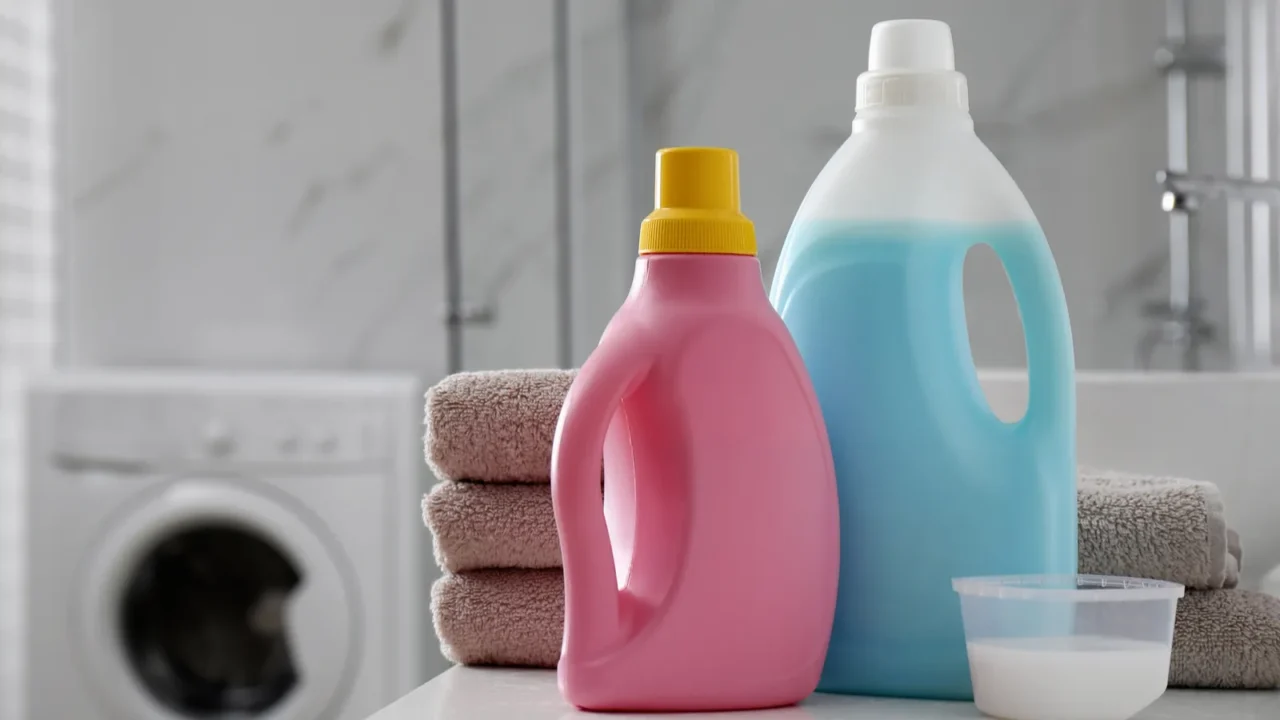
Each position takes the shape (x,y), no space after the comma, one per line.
(696,204)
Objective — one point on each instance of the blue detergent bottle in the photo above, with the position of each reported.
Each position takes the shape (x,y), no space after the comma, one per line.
(932,485)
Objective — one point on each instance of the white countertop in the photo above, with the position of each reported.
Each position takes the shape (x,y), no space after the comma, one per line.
(500,694)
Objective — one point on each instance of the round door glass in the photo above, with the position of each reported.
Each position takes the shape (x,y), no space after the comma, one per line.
(203,622)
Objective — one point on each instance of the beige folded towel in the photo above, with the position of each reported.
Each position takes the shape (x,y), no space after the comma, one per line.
(492,525)
(1227,639)
(496,425)
(1223,638)
(500,617)
(1163,528)
(1156,527)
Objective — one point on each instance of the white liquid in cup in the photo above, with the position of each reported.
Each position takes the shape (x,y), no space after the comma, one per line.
(1067,678)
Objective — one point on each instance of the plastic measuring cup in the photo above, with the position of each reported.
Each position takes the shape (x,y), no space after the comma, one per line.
(1067,647)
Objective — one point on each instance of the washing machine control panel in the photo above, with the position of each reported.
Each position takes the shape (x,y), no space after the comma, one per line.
(233,429)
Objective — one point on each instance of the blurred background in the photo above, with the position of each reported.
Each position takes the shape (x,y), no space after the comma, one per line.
(365,196)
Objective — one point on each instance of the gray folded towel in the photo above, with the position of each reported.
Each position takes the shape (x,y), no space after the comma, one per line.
(495,425)
(1156,527)
(1227,639)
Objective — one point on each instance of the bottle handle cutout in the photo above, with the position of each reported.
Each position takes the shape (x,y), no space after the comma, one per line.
(591,589)
(1046,330)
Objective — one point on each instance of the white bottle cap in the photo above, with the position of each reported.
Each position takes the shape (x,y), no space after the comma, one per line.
(911,63)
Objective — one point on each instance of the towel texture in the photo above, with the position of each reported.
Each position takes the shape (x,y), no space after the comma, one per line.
(1156,527)
(500,617)
(1227,639)
(1166,528)
(492,525)
(496,425)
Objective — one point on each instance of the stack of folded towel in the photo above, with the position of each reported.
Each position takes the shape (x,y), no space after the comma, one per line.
(489,436)
(1175,529)
(501,602)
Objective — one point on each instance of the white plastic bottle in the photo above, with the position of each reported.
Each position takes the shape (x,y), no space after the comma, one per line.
(932,485)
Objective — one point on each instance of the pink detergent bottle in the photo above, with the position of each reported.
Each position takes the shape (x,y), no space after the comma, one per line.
(708,579)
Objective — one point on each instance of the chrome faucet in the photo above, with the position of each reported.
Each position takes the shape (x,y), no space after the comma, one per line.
(1243,60)
(1179,322)
(1182,192)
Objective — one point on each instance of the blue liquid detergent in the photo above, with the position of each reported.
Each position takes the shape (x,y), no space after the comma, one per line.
(932,485)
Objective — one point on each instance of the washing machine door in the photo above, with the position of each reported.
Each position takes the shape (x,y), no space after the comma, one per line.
(212,600)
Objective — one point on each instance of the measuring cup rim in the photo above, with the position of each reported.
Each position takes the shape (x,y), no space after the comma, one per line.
(1087,588)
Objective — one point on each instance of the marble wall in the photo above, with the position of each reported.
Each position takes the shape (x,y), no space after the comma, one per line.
(509,192)
(268,193)
(251,185)
(1065,94)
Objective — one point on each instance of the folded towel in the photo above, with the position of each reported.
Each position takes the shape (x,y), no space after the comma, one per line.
(495,426)
(1222,638)
(500,617)
(1234,549)
(1226,639)
(1164,528)
(492,525)
(1156,527)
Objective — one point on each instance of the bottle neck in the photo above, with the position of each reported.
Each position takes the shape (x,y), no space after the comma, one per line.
(930,119)
(698,277)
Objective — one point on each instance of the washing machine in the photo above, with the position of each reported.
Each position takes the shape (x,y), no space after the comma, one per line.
(203,546)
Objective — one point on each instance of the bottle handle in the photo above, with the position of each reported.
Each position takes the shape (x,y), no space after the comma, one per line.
(1037,289)
(592,622)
